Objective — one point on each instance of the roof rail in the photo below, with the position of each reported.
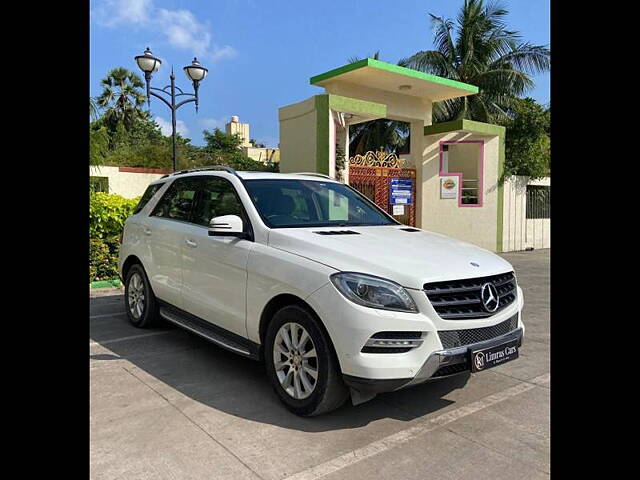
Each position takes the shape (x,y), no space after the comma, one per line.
(313,174)
(224,168)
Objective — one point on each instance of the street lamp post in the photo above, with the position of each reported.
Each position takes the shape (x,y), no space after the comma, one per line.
(195,72)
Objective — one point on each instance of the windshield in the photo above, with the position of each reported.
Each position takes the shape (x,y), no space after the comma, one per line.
(310,203)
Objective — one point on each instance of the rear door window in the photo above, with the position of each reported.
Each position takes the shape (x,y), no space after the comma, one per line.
(177,202)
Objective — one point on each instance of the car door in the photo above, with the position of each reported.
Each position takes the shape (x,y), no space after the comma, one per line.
(215,268)
(165,229)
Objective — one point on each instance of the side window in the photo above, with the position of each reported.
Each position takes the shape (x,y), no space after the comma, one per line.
(218,197)
(146,196)
(177,202)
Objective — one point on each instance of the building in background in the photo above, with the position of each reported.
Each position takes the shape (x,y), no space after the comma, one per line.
(250,148)
(449,182)
(129,182)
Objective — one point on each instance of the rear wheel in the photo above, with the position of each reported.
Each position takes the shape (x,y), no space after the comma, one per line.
(139,300)
(301,363)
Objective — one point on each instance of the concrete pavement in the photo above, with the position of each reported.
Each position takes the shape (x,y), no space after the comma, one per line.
(167,404)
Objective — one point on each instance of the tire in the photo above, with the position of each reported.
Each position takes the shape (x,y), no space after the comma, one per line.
(139,300)
(327,391)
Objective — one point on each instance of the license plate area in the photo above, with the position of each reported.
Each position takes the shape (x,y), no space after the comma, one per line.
(493,356)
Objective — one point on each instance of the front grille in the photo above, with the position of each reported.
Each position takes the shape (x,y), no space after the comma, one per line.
(460,299)
(451,370)
(460,338)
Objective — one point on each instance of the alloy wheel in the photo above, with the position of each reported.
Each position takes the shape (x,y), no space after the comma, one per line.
(136,295)
(295,360)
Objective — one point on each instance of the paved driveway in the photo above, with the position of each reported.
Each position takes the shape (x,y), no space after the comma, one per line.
(167,404)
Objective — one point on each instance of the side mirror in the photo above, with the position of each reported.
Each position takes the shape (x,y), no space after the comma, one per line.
(226,226)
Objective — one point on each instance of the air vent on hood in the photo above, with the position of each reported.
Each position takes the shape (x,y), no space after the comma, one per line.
(337,232)
(410,229)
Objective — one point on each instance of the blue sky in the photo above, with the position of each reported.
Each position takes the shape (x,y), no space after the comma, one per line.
(260,54)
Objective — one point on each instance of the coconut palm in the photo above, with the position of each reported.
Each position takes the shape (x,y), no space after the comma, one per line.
(382,133)
(93,109)
(484,53)
(121,97)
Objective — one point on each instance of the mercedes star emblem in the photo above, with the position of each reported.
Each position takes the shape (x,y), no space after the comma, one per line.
(490,298)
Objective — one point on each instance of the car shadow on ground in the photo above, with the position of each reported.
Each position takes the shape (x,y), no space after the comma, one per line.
(229,383)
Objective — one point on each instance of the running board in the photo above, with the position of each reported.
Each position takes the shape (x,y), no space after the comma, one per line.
(209,332)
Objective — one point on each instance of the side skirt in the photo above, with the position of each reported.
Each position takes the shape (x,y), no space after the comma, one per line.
(208,331)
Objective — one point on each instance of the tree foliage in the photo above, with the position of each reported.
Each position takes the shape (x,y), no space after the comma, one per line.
(122,134)
(107,213)
(121,98)
(527,143)
(484,52)
(390,135)
(224,149)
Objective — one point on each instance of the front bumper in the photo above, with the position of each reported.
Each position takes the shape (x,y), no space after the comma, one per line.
(436,366)
(350,326)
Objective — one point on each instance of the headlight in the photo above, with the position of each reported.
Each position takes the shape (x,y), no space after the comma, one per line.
(373,292)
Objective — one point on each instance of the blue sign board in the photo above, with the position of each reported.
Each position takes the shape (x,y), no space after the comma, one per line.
(401,191)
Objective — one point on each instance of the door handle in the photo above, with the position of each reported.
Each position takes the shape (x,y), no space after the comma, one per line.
(147,231)
(191,243)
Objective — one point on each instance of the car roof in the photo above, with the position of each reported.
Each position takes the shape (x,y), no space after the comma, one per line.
(253,175)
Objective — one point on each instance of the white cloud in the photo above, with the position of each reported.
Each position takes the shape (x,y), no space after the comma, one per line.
(165,126)
(181,29)
(211,123)
(184,32)
(111,13)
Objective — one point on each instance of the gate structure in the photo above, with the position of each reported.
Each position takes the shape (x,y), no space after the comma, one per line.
(371,175)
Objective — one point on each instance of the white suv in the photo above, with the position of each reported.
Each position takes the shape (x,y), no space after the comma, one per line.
(307,274)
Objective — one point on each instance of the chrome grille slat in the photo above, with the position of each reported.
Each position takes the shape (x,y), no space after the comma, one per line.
(456,302)
(461,299)
(460,338)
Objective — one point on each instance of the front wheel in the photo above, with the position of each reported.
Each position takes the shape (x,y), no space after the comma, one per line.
(301,364)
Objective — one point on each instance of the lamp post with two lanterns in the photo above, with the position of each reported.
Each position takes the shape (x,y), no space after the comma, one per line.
(195,72)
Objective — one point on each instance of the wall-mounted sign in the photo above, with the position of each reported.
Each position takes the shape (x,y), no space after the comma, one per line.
(398,209)
(401,191)
(449,187)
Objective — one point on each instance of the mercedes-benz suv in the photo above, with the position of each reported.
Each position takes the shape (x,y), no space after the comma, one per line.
(307,274)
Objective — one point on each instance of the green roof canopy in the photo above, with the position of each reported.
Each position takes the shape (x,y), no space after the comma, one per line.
(393,78)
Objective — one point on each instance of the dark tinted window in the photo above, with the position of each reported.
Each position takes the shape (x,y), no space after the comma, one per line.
(177,202)
(538,201)
(217,197)
(99,184)
(146,196)
(311,203)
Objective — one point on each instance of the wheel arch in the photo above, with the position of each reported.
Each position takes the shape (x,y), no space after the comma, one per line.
(128,263)
(280,301)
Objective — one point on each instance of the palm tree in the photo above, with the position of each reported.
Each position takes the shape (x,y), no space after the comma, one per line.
(93,109)
(485,53)
(381,133)
(121,97)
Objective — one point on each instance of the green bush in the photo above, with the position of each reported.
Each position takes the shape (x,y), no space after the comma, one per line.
(103,260)
(107,213)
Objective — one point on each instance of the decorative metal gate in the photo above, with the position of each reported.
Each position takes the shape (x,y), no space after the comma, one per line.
(371,175)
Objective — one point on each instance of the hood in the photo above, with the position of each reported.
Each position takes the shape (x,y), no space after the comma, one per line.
(408,258)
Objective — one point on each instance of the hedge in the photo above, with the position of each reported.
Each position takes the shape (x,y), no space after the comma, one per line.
(107,214)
